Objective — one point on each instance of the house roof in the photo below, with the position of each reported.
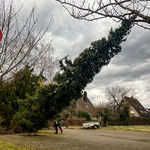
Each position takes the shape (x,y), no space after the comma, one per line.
(138,106)
(84,104)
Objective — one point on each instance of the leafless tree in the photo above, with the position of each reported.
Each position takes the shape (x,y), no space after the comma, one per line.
(100,108)
(115,9)
(115,95)
(23,42)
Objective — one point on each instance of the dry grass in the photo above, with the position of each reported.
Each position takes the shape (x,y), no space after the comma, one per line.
(8,146)
(74,127)
(123,128)
(129,128)
(43,140)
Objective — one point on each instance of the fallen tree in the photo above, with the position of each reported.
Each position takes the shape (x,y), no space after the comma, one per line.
(70,81)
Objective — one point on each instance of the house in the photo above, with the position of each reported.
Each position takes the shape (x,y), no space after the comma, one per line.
(84,104)
(136,109)
(148,109)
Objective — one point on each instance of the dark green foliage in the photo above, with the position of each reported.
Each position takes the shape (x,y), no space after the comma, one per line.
(83,114)
(106,115)
(36,110)
(25,82)
(11,93)
(76,75)
(125,116)
(8,103)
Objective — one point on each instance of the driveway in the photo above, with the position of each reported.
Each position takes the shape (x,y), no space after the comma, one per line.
(78,139)
(108,140)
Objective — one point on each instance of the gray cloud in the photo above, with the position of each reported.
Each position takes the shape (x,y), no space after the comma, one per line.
(70,37)
(137,48)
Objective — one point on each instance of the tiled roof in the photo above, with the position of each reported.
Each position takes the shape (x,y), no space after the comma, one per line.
(85,105)
(137,106)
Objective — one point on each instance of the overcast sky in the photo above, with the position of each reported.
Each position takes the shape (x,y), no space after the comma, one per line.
(131,68)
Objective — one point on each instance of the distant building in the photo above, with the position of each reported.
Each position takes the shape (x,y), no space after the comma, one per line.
(84,104)
(136,109)
(148,109)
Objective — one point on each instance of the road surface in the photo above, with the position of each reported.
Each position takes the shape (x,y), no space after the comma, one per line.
(108,140)
(79,139)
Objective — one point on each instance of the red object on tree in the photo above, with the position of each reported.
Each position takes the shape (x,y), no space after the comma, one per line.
(1,35)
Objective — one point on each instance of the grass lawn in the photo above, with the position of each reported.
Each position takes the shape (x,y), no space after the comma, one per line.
(8,146)
(123,128)
(43,140)
(129,128)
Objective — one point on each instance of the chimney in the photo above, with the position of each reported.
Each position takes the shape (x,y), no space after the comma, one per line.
(85,96)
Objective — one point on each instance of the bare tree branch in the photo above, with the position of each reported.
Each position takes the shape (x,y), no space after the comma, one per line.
(115,9)
(115,95)
(22,43)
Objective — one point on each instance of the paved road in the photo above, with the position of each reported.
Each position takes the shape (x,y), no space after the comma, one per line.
(107,140)
(83,140)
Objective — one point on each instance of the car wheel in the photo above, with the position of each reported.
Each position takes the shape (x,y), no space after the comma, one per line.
(95,127)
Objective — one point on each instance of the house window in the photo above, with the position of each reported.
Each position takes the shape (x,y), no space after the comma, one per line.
(132,112)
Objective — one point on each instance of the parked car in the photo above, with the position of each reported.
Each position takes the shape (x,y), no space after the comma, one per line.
(90,125)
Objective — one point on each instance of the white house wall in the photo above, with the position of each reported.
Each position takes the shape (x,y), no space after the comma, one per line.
(135,114)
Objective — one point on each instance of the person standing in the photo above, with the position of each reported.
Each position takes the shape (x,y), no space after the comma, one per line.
(60,128)
(56,126)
